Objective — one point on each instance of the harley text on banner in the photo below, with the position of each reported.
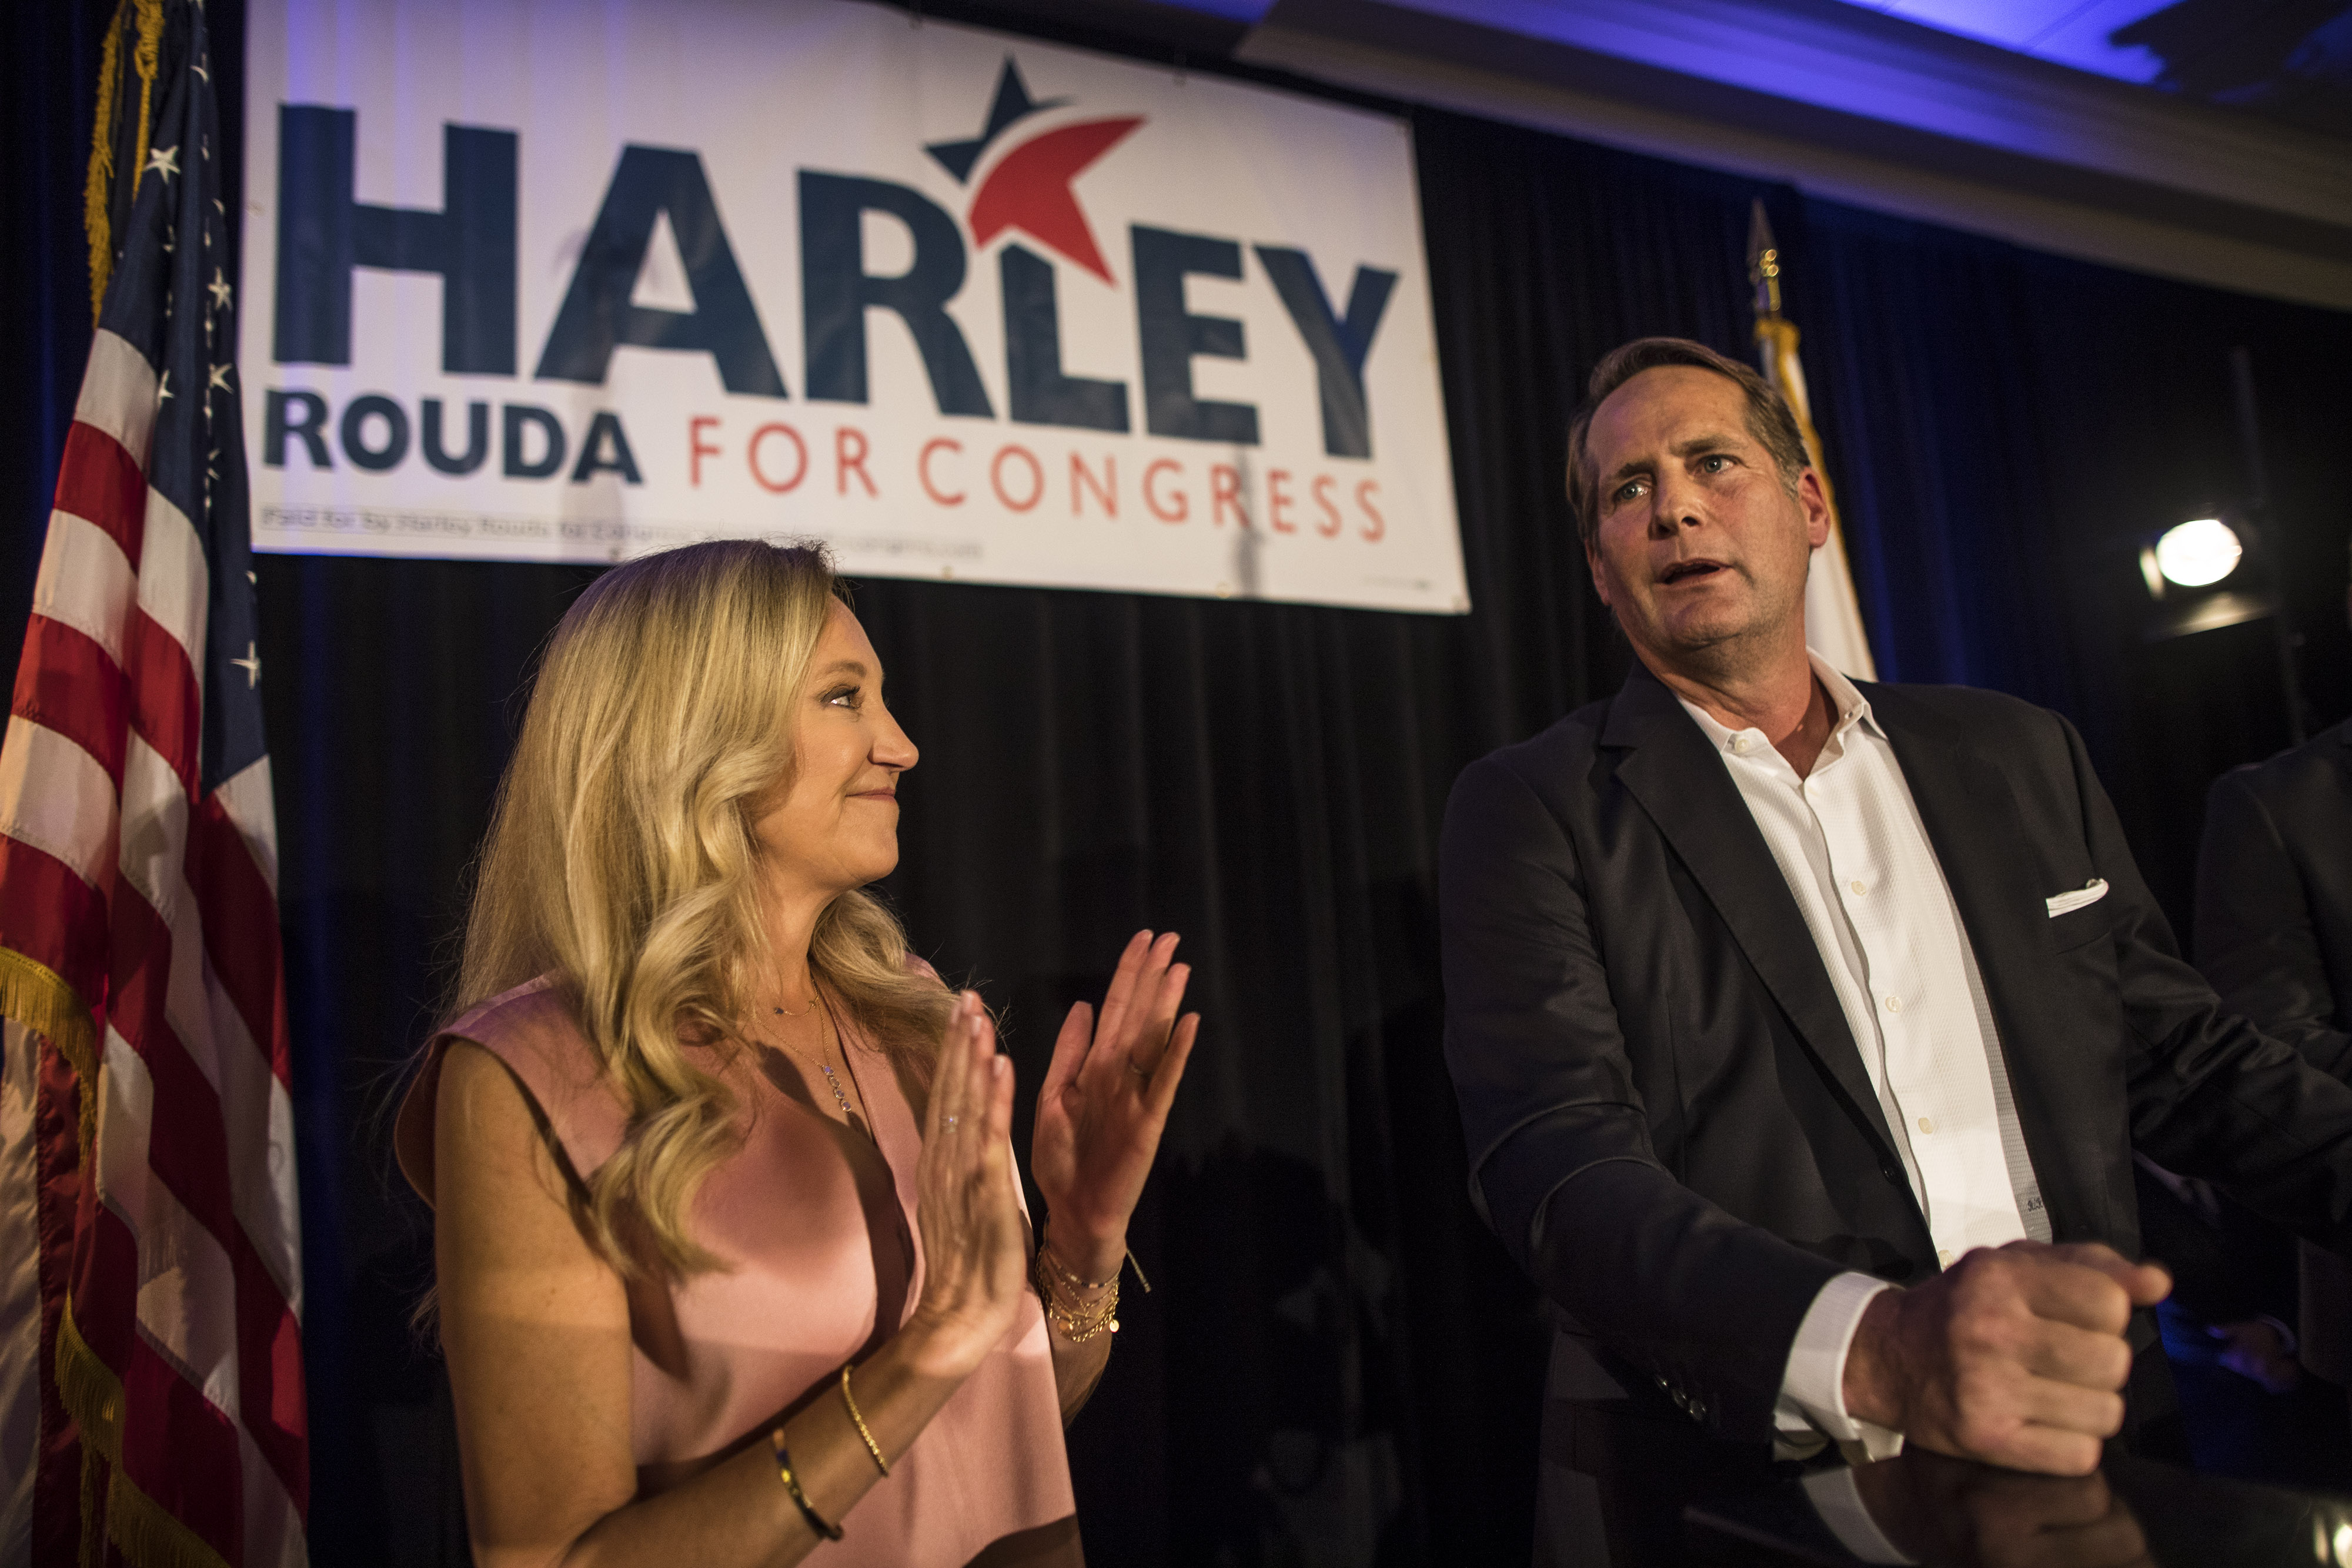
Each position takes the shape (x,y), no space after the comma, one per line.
(536,283)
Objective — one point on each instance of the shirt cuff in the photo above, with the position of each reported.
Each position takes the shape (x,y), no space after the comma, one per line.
(1813,1388)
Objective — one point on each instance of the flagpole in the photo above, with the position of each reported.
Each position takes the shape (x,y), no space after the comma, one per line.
(1833,625)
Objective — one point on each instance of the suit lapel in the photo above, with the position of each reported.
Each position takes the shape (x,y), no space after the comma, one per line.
(1969,809)
(1673,771)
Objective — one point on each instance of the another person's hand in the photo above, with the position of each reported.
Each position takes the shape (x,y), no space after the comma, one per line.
(1104,1102)
(1947,1511)
(2015,1356)
(2256,1349)
(974,1244)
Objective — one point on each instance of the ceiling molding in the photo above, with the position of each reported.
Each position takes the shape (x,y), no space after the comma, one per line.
(1871,109)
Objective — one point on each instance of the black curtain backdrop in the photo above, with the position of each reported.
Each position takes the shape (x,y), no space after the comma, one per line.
(1338,1365)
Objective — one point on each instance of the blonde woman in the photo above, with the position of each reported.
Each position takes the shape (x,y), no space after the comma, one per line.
(732,1262)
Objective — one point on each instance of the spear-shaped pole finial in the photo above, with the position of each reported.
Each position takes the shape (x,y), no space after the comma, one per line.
(1763,261)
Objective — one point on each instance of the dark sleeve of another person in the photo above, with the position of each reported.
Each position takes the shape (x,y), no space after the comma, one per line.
(2254,935)
(1561,1153)
(2211,1095)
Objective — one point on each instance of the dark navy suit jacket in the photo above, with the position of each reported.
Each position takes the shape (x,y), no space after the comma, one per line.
(1668,1120)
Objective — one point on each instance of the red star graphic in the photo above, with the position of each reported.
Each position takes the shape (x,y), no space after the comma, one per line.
(1030,191)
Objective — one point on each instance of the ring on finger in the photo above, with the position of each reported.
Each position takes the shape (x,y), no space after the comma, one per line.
(1140,1072)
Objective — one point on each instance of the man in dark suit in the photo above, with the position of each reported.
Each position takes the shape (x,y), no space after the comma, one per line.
(2274,936)
(1803,1032)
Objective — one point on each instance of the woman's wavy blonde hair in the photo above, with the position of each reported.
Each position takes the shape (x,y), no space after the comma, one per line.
(620,860)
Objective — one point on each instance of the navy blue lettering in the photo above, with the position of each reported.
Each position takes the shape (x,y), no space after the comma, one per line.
(323,232)
(1171,338)
(603,431)
(1035,387)
(516,418)
(478,438)
(597,316)
(356,413)
(1338,344)
(277,423)
(837,290)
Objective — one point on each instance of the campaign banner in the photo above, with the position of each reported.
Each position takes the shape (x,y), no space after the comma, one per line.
(541,280)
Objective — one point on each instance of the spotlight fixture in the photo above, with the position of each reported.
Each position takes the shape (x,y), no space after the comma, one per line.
(2222,567)
(2198,554)
(2200,574)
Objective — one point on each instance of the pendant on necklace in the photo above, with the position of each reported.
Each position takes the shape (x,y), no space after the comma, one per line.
(835,1084)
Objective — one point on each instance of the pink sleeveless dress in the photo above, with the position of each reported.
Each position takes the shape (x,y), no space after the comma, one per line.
(817,1228)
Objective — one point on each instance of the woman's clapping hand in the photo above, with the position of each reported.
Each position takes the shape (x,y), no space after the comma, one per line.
(974,1236)
(1106,1101)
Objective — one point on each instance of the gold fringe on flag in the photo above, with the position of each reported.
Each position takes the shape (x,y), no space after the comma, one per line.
(98,190)
(147,1533)
(147,62)
(96,221)
(140,1528)
(92,1396)
(39,998)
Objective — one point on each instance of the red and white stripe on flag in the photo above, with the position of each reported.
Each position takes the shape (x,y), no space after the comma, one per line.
(153,1358)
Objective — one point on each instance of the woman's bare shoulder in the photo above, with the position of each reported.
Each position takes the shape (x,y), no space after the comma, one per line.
(485,1116)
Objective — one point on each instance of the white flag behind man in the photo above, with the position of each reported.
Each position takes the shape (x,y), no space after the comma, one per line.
(1833,615)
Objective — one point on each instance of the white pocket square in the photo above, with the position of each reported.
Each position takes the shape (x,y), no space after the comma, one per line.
(2082,897)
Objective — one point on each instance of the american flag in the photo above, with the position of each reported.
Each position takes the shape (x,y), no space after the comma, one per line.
(151,1273)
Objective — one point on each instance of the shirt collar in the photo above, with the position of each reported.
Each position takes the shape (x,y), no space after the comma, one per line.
(1852,705)
(1852,709)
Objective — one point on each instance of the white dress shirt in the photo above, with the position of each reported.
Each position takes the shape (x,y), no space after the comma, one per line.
(1849,843)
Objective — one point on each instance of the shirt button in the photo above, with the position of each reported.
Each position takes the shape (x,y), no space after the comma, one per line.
(1895,1004)
(1927,1123)
(1739,744)
(1858,886)
(1944,1256)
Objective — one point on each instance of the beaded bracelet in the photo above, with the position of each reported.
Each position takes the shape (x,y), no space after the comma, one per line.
(793,1485)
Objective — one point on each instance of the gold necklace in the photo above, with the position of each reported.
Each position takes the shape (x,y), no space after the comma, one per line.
(830,1081)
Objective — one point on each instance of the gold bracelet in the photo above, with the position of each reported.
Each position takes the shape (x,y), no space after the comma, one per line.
(1045,1251)
(1078,1330)
(1129,1262)
(1078,1324)
(872,1446)
(793,1485)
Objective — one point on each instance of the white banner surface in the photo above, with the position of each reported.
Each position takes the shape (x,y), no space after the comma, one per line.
(541,280)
